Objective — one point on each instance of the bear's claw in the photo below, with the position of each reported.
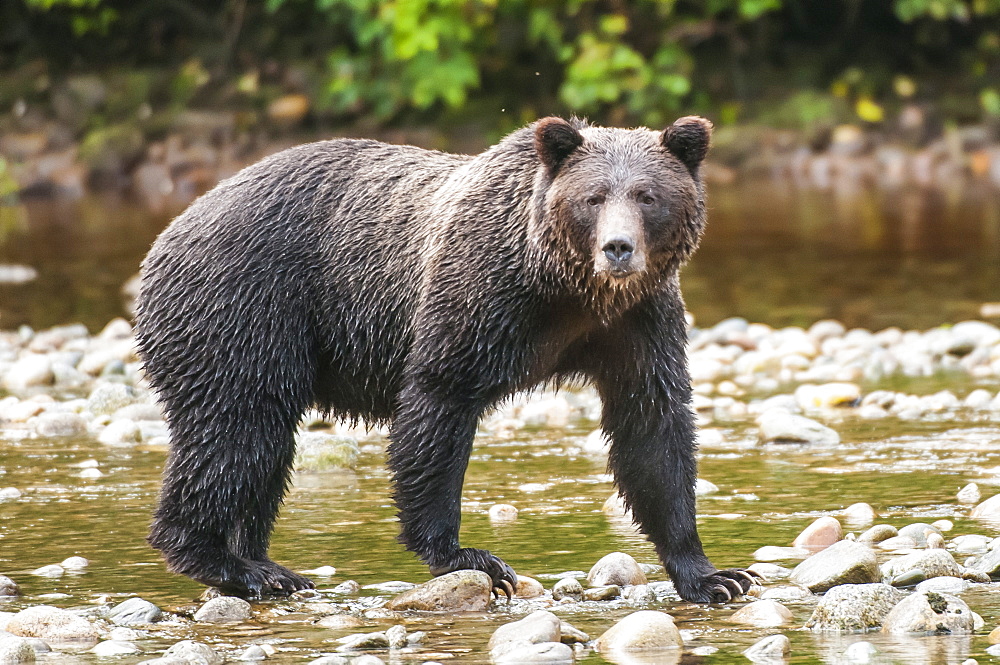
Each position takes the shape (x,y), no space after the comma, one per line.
(255,580)
(718,586)
(468,558)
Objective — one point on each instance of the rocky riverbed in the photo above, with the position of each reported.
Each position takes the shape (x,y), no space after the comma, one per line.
(857,468)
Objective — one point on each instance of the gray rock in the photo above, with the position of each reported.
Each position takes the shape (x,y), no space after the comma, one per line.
(785,592)
(639,595)
(988,564)
(897,543)
(460,591)
(970,544)
(223,609)
(609,592)
(396,636)
(376,640)
(29,371)
(349,587)
(771,571)
(616,568)
(56,424)
(970,493)
(121,433)
(854,607)
(911,577)
(195,653)
(860,652)
(111,648)
(552,653)
(919,532)
(930,613)
(536,628)
(952,585)
(763,614)
(54,625)
(845,562)
(318,451)
(15,650)
(641,631)
(569,634)
(8,587)
(567,588)
(777,426)
(769,649)
(933,563)
(253,653)
(878,533)
(134,611)
(107,398)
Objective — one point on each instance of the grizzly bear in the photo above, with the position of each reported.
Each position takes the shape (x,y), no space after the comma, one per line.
(417,288)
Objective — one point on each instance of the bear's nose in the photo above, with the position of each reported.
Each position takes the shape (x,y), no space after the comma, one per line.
(618,249)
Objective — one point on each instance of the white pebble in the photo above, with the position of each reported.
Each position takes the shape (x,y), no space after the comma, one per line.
(53,570)
(75,563)
(502,512)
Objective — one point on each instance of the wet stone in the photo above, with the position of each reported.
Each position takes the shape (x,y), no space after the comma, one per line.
(770,571)
(779,426)
(860,652)
(909,578)
(460,591)
(930,613)
(253,653)
(224,609)
(970,544)
(762,613)
(8,587)
(195,653)
(396,637)
(377,640)
(854,607)
(919,532)
(567,588)
(110,648)
(54,625)
(616,568)
(990,508)
(330,660)
(641,631)
(845,562)
(933,563)
(878,533)
(987,564)
(349,587)
(54,425)
(769,649)
(502,512)
(15,650)
(570,634)
(318,451)
(134,611)
(822,533)
(952,585)
(539,627)
(897,543)
(340,621)
(785,592)
(609,592)
(107,398)
(549,653)
(859,513)
(969,494)
(777,553)
(528,587)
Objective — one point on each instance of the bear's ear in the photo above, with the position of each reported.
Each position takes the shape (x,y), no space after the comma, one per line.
(688,140)
(555,139)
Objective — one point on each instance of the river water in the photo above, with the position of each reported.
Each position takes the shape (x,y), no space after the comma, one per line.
(772,254)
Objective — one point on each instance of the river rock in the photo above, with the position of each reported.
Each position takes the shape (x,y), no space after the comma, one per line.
(317,451)
(928,613)
(377,640)
(134,611)
(326,660)
(121,433)
(55,626)
(8,587)
(989,509)
(107,398)
(536,628)
(195,653)
(770,571)
(861,653)
(570,634)
(76,563)
(528,587)
(58,424)
(970,544)
(641,631)
(769,649)
(502,512)
(110,648)
(878,533)
(396,636)
(567,587)
(223,609)
(599,593)
(944,584)
(460,591)
(897,543)
(778,426)
(854,607)
(822,533)
(15,650)
(933,563)
(252,654)
(859,513)
(919,532)
(763,614)
(969,494)
(547,653)
(785,592)
(828,395)
(616,568)
(845,562)
(30,371)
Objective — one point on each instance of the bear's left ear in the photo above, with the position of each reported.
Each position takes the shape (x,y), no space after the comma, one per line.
(688,140)
(555,139)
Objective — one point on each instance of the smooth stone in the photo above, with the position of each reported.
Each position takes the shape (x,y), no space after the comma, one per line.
(845,562)
(616,568)
(994,636)
(110,648)
(933,563)
(51,570)
(548,653)
(944,584)
(339,621)
(909,578)
(641,631)
(609,592)
(779,426)
(134,611)
(318,451)
(930,613)
(769,649)
(29,371)
(827,396)
(8,587)
(777,553)
(703,487)
(15,650)
(171,660)
(859,513)
(7,493)
(59,424)
(347,587)
(897,543)
(502,512)
(253,653)
(74,563)
(968,544)
(990,508)
(376,640)
(460,591)
(969,494)
(396,636)
(567,587)
(919,532)
(823,532)
(987,564)
(763,614)
(107,398)
(878,533)
(785,592)
(640,594)
(54,625)
(223,609)
(196,653)
(536,628)
(854,607)
(121,433)
(528,587)
(570,634)
(860,653)
(770,571)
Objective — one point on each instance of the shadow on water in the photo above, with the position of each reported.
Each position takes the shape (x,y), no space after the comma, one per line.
(772,253)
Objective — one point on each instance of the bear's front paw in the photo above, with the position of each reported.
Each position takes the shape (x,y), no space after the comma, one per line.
(259,579)
(717,586)
(468,558)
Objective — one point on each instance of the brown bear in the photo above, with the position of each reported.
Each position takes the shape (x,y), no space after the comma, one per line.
(416,288)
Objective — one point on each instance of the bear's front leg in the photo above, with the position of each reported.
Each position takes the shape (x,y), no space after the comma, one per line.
(430,444)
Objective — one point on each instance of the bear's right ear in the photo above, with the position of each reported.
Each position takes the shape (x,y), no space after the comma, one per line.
(555,139)
(688,140)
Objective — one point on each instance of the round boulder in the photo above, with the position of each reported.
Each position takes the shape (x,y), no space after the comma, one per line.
(460,591)
(616,568)
(641,631)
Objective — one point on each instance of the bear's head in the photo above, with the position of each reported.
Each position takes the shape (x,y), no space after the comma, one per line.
(623,208)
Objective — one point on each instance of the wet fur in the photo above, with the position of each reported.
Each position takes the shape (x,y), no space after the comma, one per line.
(420,289)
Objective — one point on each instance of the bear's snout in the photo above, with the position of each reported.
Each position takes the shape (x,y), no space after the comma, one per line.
(618,251)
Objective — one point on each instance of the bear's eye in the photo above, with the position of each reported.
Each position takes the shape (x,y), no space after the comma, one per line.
(646,199)
(595,200)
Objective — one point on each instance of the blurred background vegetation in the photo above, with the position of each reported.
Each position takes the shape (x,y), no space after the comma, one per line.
(796,64)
